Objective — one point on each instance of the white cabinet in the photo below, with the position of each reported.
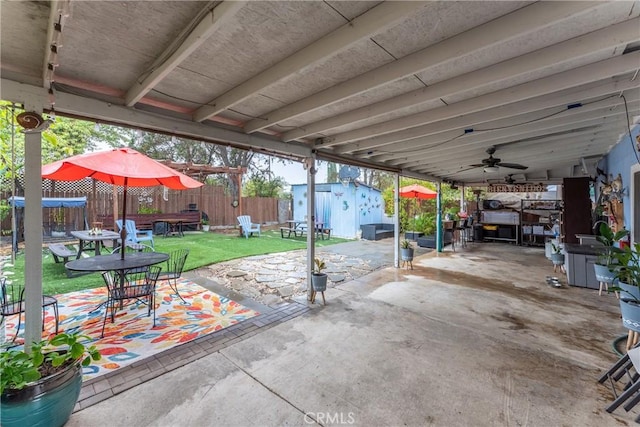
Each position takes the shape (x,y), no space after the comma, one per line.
(539,220)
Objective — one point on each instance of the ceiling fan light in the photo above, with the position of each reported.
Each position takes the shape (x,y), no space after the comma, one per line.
(491,169)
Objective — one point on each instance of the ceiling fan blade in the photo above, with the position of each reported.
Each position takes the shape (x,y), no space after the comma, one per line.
(512,166)
(481,165)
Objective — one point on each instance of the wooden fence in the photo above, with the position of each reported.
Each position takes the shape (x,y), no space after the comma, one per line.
(212,200)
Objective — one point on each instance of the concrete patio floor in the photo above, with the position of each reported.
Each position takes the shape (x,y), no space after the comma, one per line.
(471,338)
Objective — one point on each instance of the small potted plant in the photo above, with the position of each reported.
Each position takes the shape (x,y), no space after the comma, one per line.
(318,278)
(205,224)
(627,269)
(58,223)
(557,256)
(41,387)
(406,250)
(604,270)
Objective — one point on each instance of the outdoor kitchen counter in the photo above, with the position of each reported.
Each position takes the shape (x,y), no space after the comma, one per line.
(575,248)
(579,265)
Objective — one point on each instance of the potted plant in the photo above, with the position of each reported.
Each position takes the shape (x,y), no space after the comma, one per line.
(626,266)
(406,250)
(557,256)
(58,223)
(41,387)
(205,224)
(318,278)
(606,260)
(627,269)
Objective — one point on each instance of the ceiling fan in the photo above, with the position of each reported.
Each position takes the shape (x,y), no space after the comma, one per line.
(491,164)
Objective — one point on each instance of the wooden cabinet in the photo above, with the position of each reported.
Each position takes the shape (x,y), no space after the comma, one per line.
(577,208)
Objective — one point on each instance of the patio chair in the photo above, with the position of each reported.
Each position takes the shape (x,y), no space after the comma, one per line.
(12,300)
(248,228)
(624,381)
(175,265)
(134,235)
(139,286)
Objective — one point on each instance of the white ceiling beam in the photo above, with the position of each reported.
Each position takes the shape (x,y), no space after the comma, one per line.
(534,17)
(594,128)
(92,109)
(557,82)
(472,120)
(516,125)
(200,34)
(472,148)
(539,152)
(554,161)
(588,125)
(606,38)
(373,21)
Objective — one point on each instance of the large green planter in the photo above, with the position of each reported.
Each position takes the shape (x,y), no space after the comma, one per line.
(47,402)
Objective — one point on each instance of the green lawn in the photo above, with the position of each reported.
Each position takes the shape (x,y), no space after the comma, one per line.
(205,249)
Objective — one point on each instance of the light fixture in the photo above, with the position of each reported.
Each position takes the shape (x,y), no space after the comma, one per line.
(491,169)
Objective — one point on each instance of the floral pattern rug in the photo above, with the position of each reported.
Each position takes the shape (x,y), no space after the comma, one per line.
(132,337)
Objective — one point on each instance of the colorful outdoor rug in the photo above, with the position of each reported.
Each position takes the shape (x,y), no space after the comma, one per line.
(132,336)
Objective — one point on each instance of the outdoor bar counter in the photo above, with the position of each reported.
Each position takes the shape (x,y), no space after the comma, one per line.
(579,265)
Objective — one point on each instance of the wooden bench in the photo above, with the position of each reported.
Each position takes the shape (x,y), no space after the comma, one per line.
(58,250)
(146,221)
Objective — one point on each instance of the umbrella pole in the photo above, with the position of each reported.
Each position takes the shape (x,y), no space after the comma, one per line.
(123,232)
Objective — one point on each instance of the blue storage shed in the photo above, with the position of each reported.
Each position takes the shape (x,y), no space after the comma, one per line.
(343,209)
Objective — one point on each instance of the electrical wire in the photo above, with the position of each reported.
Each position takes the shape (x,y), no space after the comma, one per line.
(626,111)
(547,116)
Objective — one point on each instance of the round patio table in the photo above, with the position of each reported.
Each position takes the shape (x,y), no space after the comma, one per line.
(114,263)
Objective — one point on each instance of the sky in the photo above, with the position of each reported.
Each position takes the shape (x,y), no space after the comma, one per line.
(294,173)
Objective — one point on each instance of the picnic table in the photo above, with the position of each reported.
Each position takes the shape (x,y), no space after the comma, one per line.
(300,226)
(87,238)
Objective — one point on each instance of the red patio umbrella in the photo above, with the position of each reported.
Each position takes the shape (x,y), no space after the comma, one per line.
(121,166)
(417,191)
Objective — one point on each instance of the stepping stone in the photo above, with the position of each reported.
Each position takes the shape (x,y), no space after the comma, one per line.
(276,284)
(265,279)
(286,267)
(236,273)
(238,284)
(292,280)
(271,299)
(286,291)
(335,278)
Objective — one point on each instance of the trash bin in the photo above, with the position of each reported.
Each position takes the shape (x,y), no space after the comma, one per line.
(478,235)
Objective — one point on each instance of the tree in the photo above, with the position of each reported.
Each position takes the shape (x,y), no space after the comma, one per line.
(332,172)
(259,186)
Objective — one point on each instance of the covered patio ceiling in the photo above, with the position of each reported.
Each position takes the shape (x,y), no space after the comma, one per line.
(418,88)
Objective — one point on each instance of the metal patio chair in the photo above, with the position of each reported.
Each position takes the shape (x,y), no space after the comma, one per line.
(139,286)
(13,304)
(175,265)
